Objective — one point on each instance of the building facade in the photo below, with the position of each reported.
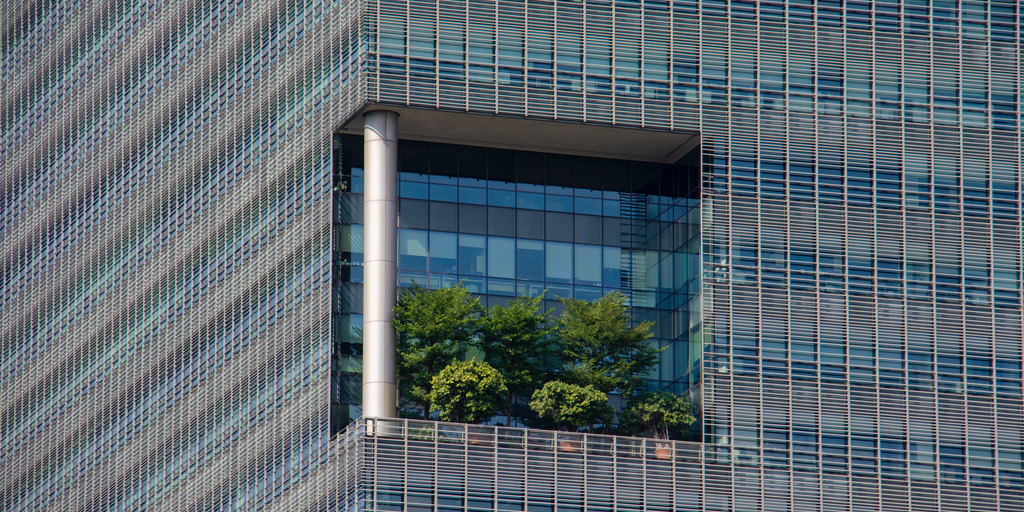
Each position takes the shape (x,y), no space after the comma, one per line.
(833,255)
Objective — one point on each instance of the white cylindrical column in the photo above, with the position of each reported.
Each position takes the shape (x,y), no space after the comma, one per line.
(380,262)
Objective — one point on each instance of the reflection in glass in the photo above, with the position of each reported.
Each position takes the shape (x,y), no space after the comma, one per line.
(501,198)
(588,206)
(587,229)
(472,255)
(610,270)
(530,260)
(588,265)
(559,203)
(469,195)
(412,250)
(501,257)
(443,252)
(530,200)
(576,227)
(558,258)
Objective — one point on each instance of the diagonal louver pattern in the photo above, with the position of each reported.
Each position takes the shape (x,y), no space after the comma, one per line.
(165,238)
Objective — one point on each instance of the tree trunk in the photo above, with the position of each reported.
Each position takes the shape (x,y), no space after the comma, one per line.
(510,406)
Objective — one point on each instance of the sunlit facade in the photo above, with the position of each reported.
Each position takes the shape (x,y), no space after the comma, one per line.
(179,232)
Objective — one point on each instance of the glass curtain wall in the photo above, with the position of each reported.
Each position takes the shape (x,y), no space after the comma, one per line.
(507,223)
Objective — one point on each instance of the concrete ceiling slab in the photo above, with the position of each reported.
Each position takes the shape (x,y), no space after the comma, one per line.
(569,138)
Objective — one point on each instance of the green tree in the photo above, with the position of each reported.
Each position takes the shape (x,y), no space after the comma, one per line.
(571,406)
(467,391)
(660,413)
(433,327)
(600,348)
(515,339)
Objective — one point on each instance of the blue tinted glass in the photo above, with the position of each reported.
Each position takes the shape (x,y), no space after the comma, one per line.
(559,203)
(611,207)
(448,193)
(442,253)
(610,274)
(412,190)
(588,265)
(501,197)
(559,262)
(501,257)
(470,195)
(530,200)
(412,250)
(472,255)
(530,260)
(501,287)
(588,293)
(589,206)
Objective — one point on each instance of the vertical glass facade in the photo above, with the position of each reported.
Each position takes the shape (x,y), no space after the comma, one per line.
(507,223)
(861,216)
(165,191)
(169,306)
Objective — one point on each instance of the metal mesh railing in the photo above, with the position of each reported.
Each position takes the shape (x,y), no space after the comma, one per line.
(418,465)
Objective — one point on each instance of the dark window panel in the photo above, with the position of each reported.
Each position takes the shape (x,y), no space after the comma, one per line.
(412,213)
(443,216)
(587,229)
(559,226)
(472,219)
(501,221)
(530,224)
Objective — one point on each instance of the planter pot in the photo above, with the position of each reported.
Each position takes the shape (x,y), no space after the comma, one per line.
(663,451)
(570,444)
(480,435)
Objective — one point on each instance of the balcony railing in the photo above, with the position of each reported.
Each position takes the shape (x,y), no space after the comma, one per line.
(428,466)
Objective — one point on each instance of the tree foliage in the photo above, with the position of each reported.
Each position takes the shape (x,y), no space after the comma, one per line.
(467,391)
(571,406)
(661,413)
(600,348)
(598,352)
(433,327)
(515,339)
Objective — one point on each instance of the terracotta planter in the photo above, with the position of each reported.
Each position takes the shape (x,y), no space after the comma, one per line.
(663,451)
(569,446)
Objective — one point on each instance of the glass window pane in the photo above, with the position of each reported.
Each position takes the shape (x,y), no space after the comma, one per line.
(501,257)
(588,229)
(589,206)
(442,253)
(530,260)
(501,221)
(558,257)
(472,219)
(470,195)
(472,255)
(611,273)
(559,227)
(444,193)
(501,197)
(351,240)
(412,190)
(529,224)
(530,200)
(412,249)
(443,216)
(412,213)
(588,265)
(559,203)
